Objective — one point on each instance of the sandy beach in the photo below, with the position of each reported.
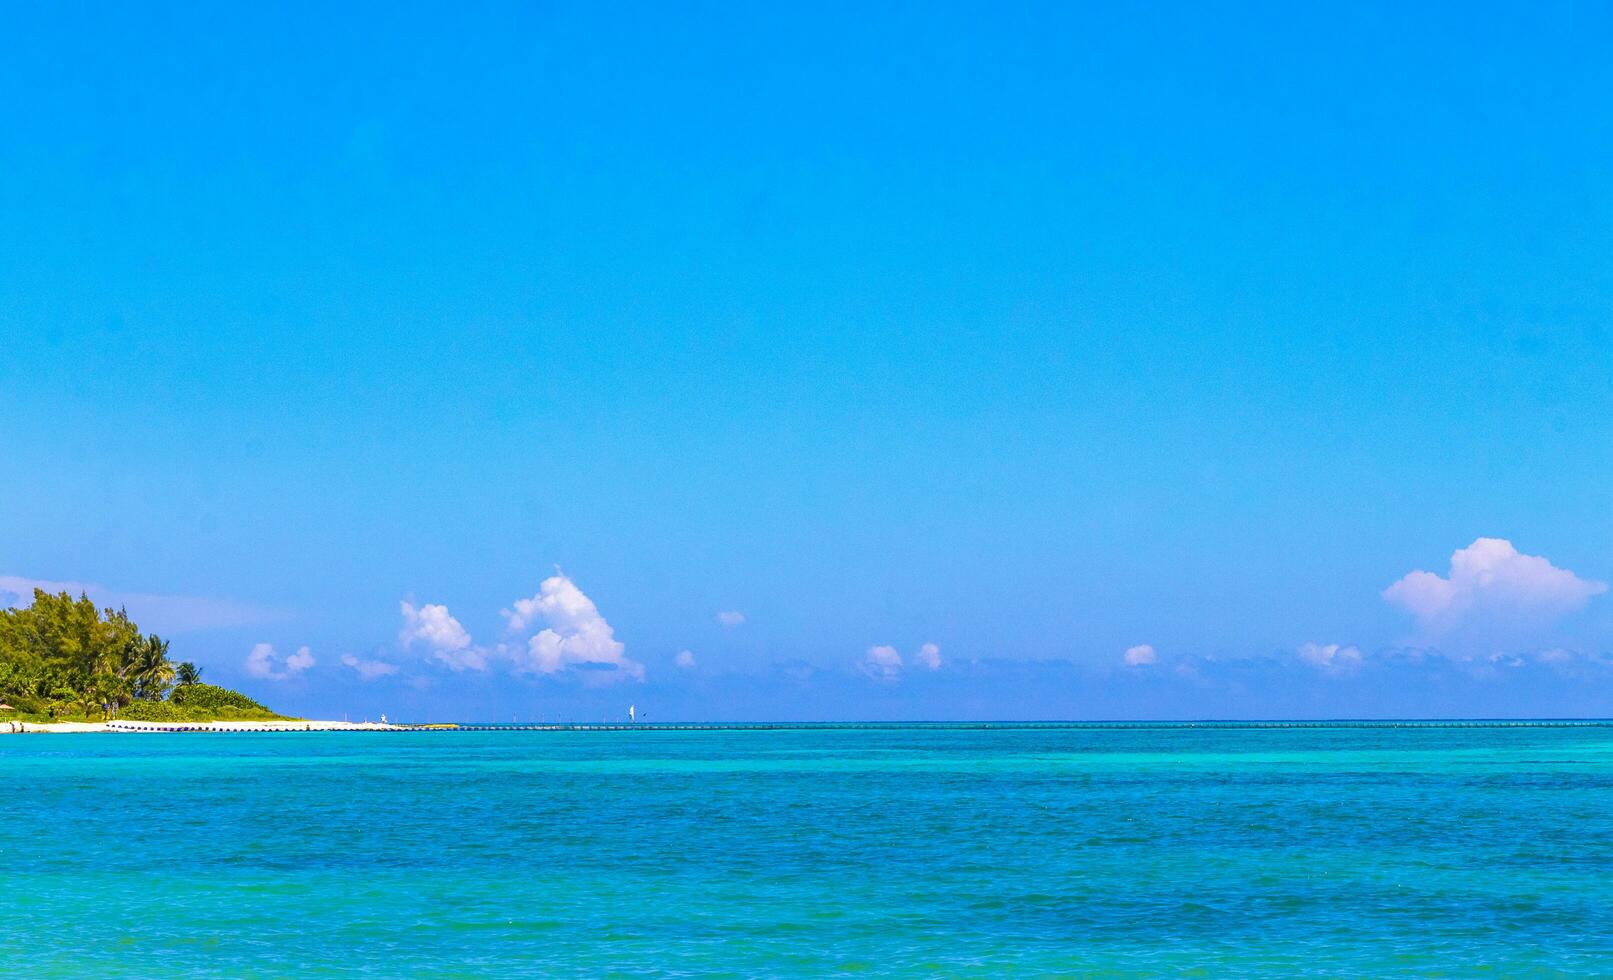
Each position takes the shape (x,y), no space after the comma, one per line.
(158,727)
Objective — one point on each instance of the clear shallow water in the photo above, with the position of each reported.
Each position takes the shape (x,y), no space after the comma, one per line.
(1114,852)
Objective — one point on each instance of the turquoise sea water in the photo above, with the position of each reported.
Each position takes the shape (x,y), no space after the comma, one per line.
(964,852)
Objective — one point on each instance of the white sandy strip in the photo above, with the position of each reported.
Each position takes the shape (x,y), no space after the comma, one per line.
(55,726)
(249,726)
(202,726)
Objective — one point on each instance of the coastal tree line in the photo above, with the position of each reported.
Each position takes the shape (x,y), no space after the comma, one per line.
(64,656)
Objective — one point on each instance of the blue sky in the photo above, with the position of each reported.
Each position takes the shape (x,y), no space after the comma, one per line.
(1037,335)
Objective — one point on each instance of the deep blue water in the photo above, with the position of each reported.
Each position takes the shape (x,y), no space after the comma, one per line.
(1112,852)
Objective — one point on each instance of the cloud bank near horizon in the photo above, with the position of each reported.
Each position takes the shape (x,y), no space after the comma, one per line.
(1385,683)
(1330,656)
(1491,618)
(884,663)
(1140,655)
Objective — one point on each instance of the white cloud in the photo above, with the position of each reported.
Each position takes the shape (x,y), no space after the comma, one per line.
(155,613)
(1490,577)
(730,618)
(1331,656)
(260,662)
(432,625)
(684,659)
(264,663)
(929,655)
(575,635)
(1139,656)
(436,629)
(369,669)
(458,661)
(882,662)
(885,662)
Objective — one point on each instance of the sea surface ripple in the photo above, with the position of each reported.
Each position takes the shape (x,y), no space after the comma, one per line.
(932,851)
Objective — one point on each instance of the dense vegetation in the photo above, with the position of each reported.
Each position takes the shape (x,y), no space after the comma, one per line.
(64,658)
(199,702)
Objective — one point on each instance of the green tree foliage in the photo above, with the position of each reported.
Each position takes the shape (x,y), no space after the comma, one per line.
(215,698)
(63,656)
(172,711)
(148,670)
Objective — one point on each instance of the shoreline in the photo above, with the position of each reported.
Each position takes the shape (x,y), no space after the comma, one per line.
(116,726)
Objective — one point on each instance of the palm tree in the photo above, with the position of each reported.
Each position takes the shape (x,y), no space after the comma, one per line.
(110,692)
(61,699)
(187,673)
(148,668)
(88,698)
